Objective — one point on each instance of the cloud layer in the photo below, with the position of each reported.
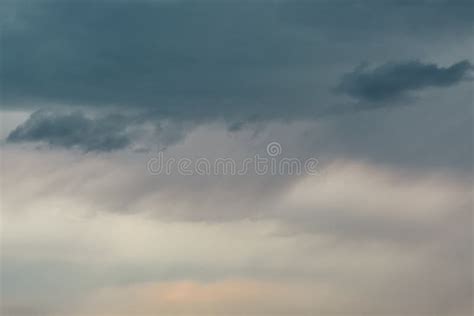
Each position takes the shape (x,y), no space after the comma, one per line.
(353,233)
(90,86)
(238,61)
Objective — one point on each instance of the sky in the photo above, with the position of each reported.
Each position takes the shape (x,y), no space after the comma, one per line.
(224,158)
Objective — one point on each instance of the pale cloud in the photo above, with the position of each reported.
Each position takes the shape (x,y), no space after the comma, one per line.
(353,232)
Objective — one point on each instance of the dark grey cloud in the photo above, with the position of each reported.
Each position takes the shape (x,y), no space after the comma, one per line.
(173,59)
(100,132)
(391,81)
(243,62)
(237,60)
(73,130)
(371,18)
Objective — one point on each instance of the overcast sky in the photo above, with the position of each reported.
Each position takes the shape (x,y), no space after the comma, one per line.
(378,93)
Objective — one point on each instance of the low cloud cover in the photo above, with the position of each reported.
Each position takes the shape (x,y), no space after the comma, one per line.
(371,87)
(90,88)
(236,60)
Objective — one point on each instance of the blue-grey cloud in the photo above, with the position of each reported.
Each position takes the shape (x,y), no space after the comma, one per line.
(241,62)
(393,80)
(238,61)
(73,130)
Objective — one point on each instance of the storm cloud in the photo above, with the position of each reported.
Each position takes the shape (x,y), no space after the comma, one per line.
(393,80)
(238,61)
(73,130)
